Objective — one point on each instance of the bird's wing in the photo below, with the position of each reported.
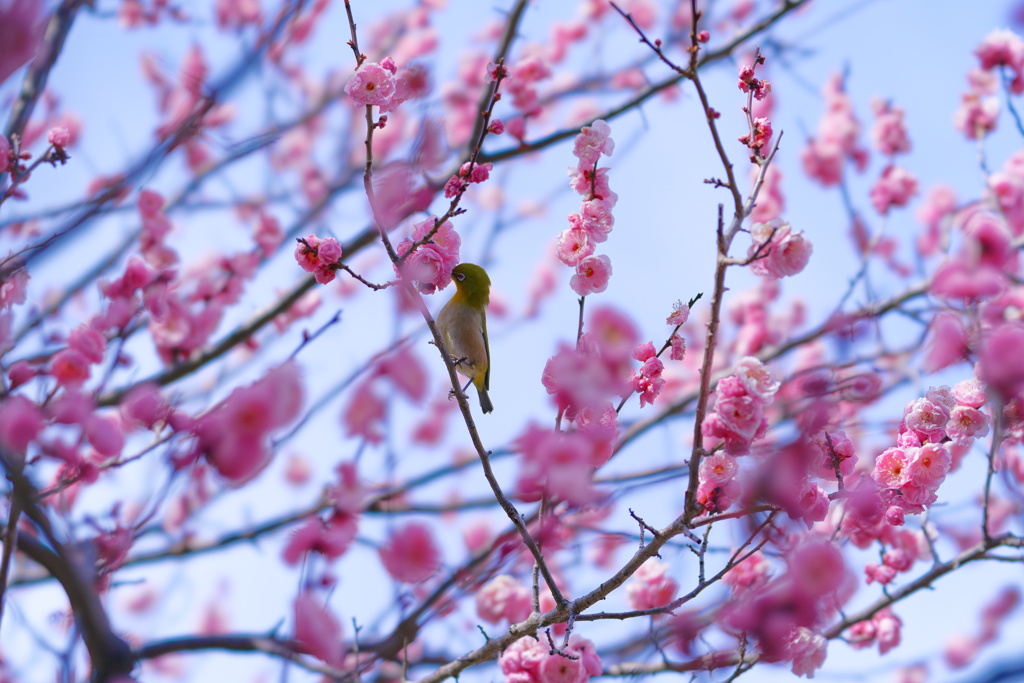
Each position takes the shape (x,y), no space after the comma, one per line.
(487,350)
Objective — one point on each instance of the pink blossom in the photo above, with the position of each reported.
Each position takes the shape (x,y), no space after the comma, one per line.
(970,392)
(678,347)
(349,495)
(432,263)
(808,651)
(680,314)
(752,571)
(406,372)
(718,469)
(364,415)
(592,185)
(887,629)
(648,382)
(758,379)
(947,342)
(70,368)
(496,127)
(926,418)
(895,187)
(817,568)
(237,14)
(574,244)
(813,503)
(1001,365)
(105,435)
(371,84)
(960,650)
(317,630)
(410,554)
(88,342)
(597,219)
(965,424)
(232,437)
(555,464)
(929,465)
(21,32)
(297,471)
(328,538)
(593,141)
(770,200)
(592,275)
(1003,48)
(889,134)
(21,420)
(895,516)
(530,660)
(503,597)
(891,468)
(976,116)
(58,136)
(651,587)
(13,289)
(786,252)
(880,573)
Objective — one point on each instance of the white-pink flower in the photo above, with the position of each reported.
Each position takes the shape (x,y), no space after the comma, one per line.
(592,274)
(593,141)
(757,378)
(371,84)
(650,586)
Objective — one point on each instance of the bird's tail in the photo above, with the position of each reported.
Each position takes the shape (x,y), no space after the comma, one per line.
(485,401)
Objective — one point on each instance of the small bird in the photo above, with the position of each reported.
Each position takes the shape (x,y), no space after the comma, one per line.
(463,327)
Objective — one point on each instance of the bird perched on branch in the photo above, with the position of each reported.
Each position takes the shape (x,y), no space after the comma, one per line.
(463,327)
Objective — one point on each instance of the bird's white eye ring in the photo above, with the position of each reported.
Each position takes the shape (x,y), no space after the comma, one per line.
(460,276)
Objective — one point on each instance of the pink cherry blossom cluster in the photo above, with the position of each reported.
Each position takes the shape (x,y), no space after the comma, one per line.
(560,465)
(322,257)
(385,85)
(784,615)
(737,420)
(896,186)
(770,200)
(598,368)
(910,473)
(883,628)
(185,308)
(531,660)
(366,411)
(677,343)
(647,381)
(937,207)
(826,155)
(317,631)
(981,266)
(651,586)
(233,437)
(749,84)
(1006,188)
(134,14)
(1003,48)
(503,597)
(237,14)
(182,101)
(777,251)
(22,25)
(410,554)
(431,264)
(329,538)
(594,221)
(467,175)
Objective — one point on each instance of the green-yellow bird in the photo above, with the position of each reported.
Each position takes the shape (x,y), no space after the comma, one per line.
(463,327)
